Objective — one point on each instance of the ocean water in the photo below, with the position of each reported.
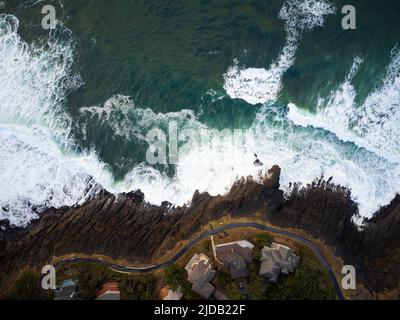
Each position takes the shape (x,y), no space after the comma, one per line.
(281,77)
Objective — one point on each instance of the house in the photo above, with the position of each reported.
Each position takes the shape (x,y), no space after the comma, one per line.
(276,259)
(66,291)
(236,256)
(172,295)
(109,291)
(200,273)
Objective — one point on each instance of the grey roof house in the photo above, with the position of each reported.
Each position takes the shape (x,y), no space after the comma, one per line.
(200,273)
(66,291)
(236,256)
(276,259)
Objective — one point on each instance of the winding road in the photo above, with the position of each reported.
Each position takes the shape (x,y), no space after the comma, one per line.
(204,236)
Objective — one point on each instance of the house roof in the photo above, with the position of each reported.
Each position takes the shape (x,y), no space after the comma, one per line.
(240,248)
(66,290)
(270,269)
(277,258)
(111,296)
(68,283)
(236,256)
(167,294)
(174,295)
(284,251)
(195,260)
(242,243)
(236,264)
(109,287)
(205,291)
(164,292)
(198,269)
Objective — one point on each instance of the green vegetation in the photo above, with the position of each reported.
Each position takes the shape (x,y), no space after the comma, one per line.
(91,277)
(224,278)
(260,241)
(256,286)
(232,291)
(139,288)
(28,287)
(229,286)
(207,247)
(175,277)
(309,282)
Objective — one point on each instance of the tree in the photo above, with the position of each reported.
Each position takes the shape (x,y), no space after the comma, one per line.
(89,279)
(256,286)
(175,277)
(261,240)
(233,292)
(139,288)
(28,286)
(207,246)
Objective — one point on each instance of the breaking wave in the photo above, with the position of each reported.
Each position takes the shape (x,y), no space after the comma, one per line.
(120,114)
(357,146)
(38,166)
(258,85)
(371,126)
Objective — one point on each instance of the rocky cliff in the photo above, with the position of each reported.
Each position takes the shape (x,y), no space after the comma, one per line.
(127,227)
(327,212)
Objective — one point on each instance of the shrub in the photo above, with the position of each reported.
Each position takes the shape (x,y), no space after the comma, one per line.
(309,282)
(207,246)
(138,288)
(175,277)
(256,286)
(28,286)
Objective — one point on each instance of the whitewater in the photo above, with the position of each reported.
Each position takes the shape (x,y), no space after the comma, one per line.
(42,166)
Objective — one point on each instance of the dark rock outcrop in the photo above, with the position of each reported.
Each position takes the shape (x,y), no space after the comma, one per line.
(126,227)
(380,248)
(327,211)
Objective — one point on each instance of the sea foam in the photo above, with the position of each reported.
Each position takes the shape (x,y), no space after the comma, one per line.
(259,85)
(371,126)
(38,165)
(41,168)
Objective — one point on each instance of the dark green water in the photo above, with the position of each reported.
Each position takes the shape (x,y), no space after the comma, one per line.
(168,56)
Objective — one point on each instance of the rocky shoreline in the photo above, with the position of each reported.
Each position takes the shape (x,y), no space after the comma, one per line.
(127,227)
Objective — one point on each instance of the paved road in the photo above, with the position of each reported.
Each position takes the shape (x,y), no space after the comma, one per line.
(207,234)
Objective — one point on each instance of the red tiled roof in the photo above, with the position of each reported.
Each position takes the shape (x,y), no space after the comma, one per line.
(164,292)
(109,286)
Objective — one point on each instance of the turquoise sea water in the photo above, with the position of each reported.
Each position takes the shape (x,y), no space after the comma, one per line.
(77,103)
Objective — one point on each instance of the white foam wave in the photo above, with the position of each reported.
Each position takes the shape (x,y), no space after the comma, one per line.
(127,121)
(40,170)
(209,167)
(259,85)
(34,79)
(303,152)
(303,155)
(37,167)
(36,174)
(378,119)
(372,125)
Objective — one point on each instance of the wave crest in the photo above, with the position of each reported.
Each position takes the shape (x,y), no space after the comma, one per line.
(259,85)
